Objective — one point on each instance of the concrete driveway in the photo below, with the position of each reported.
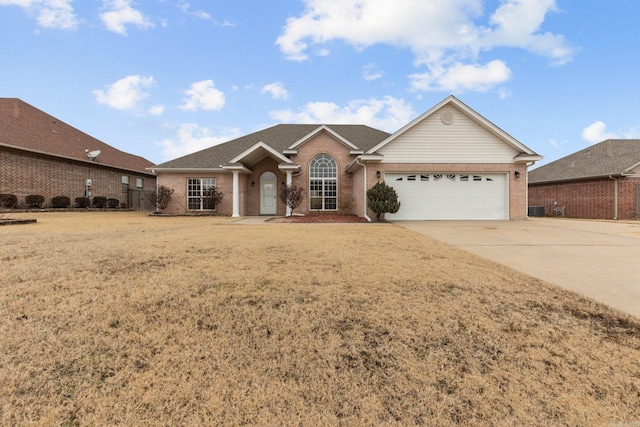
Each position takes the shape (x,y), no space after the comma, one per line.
(598,259)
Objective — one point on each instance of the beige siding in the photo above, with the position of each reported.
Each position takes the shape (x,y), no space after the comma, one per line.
(462,141)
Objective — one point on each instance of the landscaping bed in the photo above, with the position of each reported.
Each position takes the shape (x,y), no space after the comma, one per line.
(320,218)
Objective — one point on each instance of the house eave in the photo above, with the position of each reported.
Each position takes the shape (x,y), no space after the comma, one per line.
(239,167)
(526,158)
(187,170)
(580,178)
(365,158)
(89,162)
(289,167)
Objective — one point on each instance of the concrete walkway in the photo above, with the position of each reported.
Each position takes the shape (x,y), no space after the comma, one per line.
(599,259)
(252,220)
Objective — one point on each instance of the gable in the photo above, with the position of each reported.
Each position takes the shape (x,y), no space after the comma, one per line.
(323,143)
(448,135)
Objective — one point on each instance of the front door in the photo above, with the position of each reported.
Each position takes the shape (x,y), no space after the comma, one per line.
(268,194)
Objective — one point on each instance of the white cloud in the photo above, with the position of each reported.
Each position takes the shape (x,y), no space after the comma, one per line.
(440,34)
(185,7)
(57,14)
(389,113)
(119,14)
(596,132)
(125,93)
(203,96)
(157,110)
(191,137)
(517,23)
(276,90)
(458,77)
(371,72)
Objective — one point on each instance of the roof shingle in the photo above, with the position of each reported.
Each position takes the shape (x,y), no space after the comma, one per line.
(278,137)
(26,127)
(611,157)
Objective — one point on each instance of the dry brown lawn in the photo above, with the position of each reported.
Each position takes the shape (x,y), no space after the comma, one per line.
(126,319)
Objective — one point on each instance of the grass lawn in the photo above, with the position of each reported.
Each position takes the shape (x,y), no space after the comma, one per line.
(126,319)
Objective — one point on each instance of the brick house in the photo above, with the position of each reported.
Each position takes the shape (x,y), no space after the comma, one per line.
(449,163)
(599,182)
(40,154)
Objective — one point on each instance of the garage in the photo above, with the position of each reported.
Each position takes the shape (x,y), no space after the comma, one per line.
(450,196)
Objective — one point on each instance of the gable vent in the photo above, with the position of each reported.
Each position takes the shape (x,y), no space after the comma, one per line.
(447,117)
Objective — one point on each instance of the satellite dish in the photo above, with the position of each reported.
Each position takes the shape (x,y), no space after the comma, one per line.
(93,154)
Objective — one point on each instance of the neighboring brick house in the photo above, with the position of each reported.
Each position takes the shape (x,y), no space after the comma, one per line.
(449,163)
(40,154)
(599,182)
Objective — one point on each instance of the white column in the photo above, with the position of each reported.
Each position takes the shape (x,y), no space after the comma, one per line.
(289,181)
(236,195)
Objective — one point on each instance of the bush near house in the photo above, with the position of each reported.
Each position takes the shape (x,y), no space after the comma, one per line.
(215,197)
(8,201)
(83,202)
(99,202)
(381,199)
(34,200)
(291,195)
(60,202)
(113,203)
(161,197)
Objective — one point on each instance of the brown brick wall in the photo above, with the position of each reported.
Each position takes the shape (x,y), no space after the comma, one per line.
(23,173)
(224,183)
(593,199)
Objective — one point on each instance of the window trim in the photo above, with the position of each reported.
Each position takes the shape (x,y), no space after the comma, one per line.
(200,198)
(324,182)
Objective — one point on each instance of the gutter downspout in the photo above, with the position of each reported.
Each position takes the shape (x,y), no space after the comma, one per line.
(615,197)
(526,186)
(153,171)
(364,165)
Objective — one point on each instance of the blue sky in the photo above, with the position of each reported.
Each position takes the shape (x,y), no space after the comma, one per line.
(163,78)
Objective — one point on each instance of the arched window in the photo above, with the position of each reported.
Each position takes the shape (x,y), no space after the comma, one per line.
(323,183)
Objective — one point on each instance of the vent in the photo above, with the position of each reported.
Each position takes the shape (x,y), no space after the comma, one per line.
(447,117)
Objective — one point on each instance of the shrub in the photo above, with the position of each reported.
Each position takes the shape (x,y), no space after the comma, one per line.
(34,200)
(291,195)
(8,201)
(83,202)
(161,197)
(113,203)
(215,197)
(60,202)
(123,205)
(99,202)
(382,199)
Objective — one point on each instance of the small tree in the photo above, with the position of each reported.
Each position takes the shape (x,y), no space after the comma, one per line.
(214,197)
(381,199)
(161,197)
(291,195)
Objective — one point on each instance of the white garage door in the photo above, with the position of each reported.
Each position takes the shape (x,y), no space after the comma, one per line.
(445,196)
